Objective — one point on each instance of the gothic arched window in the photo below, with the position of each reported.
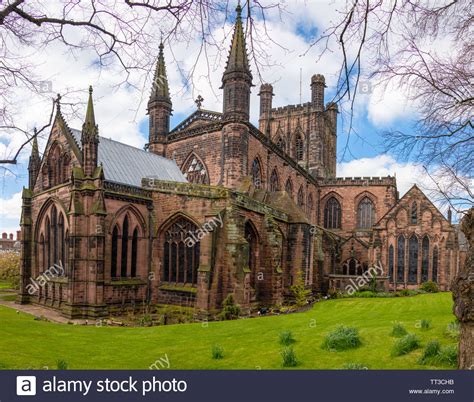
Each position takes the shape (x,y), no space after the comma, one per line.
(62,240)
(133,270)
(55,240)
(48,243)
(124,260)
(365,213)
(274,181)
(390,263)
(412,259)
(289,187)
(434,274)
(401,259)
(251,237)
(114,253)
(256,173)
(414,213)
(301,197)
(332,214)
(425,258)
(195,171)
(181,252)
(299,149)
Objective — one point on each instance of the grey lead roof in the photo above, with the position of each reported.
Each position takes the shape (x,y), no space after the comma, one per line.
(128,165)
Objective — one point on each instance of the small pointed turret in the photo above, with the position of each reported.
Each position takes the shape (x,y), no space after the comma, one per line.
(237,78)
(159,106)
(90,130)
(160,89)
(90,139)
(238,59)
(34,162)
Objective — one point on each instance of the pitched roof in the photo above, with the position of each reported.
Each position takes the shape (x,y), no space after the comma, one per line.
(128,165)
(403,200)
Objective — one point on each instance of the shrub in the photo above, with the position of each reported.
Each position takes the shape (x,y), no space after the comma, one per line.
(299,291)
(354,366)
(10,268)
(289,357)
(286,338)
(230,310)
(425,324)
(405,345)
(430,287)
(61,365)
(398,330)
(431,350)
(447,355)
(342,338)
(435,354)
(407,292)
(145,321)
(217,352)
(452,330)
(334,294)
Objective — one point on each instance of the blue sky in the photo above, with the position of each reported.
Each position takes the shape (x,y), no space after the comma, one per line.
(121,112)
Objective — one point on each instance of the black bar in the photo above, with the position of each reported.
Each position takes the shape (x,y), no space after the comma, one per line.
(249,386)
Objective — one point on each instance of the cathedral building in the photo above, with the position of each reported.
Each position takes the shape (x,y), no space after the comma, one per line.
(216,206)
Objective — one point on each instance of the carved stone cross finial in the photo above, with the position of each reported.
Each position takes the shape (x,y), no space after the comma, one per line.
(199,101)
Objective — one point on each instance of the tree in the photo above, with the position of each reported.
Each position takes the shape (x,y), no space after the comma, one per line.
(126,32)
(424,49)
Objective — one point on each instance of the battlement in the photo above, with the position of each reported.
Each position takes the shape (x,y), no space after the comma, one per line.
(360,181)
(291,108)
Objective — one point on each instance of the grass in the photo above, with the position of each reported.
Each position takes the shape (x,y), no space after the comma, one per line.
(248,343)
(342,338)
(354,366)
(217,352)
(436,354)
(286,338)
(425,324)
(398,330)
(405,345)
(289,357)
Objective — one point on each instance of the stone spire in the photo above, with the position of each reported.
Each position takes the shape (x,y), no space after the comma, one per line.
(238,59)
(89,139)
(237,78)
(160,89)
(34,162)
(159,107)
(90,130)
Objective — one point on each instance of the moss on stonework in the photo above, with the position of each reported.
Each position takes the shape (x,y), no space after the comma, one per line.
(126,282)
(204,268)
(98,207)
(97,172)
(77,173)
(88,186)
(26,193)
(177,288)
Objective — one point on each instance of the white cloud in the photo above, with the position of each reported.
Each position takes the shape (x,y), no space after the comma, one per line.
(10,211)
(406,174)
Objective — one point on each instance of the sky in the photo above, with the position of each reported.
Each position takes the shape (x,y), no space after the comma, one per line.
(121,109)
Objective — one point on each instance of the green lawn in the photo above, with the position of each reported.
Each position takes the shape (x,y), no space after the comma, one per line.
(247,343)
